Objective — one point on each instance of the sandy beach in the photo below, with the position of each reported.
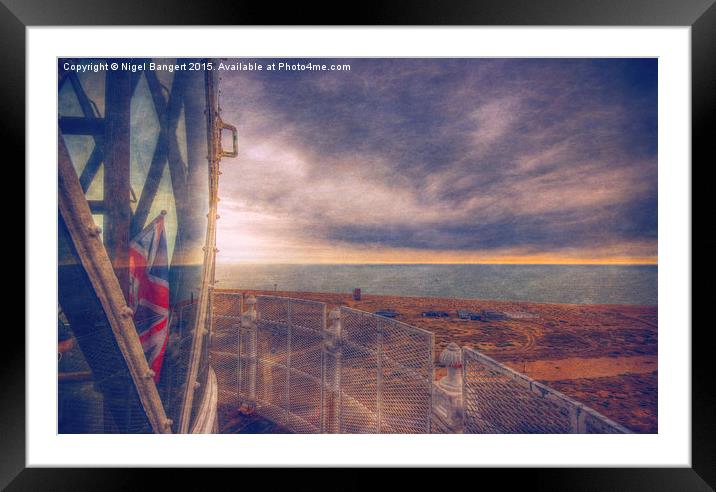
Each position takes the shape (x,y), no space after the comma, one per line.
(602,355)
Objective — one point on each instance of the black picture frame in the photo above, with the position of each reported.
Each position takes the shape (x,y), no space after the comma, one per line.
(16,15)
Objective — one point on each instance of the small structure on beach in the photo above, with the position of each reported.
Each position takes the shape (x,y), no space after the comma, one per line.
(471,315)
(490,315)
(387,313)
(435,314)
(356,294)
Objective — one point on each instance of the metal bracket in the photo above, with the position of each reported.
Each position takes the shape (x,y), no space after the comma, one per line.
(220,125)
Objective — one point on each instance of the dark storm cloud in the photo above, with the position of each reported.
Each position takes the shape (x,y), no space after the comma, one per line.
(464,154)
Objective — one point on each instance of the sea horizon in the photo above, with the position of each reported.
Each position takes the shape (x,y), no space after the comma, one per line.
(243,263)
(633,284)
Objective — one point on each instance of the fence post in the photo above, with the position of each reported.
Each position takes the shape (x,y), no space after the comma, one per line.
(332,340)
(448,415)
(576,419)
(248,326)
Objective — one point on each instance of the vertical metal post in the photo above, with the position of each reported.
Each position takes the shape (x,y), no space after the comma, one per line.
(253,363)
(332,350)
(250,332)
(240,358)
(576,419)
(431,378)
(288,358)
(446,400)
(379,383)
(321,392)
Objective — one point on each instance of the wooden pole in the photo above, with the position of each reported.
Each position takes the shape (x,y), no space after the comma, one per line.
(118,213)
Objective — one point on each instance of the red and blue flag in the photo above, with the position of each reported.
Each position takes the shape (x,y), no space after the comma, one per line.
(149,291)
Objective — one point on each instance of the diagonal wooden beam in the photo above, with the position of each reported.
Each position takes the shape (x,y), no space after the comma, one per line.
(86,240)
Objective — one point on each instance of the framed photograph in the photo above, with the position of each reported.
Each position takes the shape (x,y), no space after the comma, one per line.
(458,236)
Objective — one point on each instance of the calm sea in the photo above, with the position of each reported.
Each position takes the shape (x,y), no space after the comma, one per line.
(573,284)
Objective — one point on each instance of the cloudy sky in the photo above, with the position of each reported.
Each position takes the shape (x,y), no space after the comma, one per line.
(442,161)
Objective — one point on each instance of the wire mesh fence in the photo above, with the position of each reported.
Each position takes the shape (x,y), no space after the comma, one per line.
(358,411)
(386,375)
(224,349)
(499,400)
(378,381)
(289,364)
(96,393)
(406,378)
(172,384)
(378,378)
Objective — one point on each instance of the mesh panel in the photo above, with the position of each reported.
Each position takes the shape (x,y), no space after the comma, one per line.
(227,304)
(272,309)
(406,378)
(359,390)
(499,400)
(378,381)
(359,373)
(306,381)
(289,342)
(307,321)
(359,328)
(174,371)
(595,423)
(305,403)
(331,393)
(271,390)
(80,409)
(97,393)
(224,350)
(272,336)
(386,375)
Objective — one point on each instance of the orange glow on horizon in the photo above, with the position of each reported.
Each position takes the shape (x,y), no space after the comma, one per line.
(441,258)
(512,261)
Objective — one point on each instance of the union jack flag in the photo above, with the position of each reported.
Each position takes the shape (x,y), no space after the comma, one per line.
(149,291)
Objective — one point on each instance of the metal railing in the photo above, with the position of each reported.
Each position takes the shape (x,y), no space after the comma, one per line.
(224,343)
(289,350)
(500,400)
(275,359)
(364,373)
